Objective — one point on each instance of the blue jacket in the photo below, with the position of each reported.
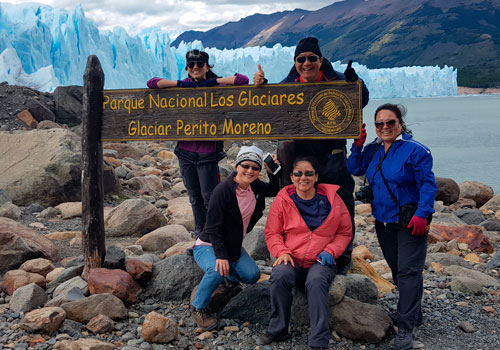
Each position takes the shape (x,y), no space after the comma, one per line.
(407,170)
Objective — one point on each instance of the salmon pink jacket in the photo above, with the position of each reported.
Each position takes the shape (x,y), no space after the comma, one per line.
(287,232)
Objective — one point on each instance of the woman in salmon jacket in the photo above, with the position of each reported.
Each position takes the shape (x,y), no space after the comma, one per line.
(307,228)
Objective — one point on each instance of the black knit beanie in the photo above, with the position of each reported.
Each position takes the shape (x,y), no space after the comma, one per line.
(309,44)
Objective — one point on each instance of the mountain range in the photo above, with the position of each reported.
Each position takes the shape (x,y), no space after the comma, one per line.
(464,34)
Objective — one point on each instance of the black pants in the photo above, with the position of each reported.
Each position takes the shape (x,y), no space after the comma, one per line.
(405,254)
(200,174)
(316,281)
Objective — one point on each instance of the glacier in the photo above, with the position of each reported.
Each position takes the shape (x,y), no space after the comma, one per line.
(44,47)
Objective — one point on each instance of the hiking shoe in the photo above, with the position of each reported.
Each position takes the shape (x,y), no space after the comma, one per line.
(403,339)
(204,319)
(268,338)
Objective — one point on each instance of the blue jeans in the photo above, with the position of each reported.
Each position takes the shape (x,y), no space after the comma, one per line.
(244,270)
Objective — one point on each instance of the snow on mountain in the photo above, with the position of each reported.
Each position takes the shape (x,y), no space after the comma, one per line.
(44,47)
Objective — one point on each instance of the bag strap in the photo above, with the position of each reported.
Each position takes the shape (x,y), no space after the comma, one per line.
(371,158)
(379,167)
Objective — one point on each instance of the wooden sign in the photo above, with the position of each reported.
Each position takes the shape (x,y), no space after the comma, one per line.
(273,112)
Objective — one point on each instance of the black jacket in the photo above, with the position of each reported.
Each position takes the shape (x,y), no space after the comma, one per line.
(224,225)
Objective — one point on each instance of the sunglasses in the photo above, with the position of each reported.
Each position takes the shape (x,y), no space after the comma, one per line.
(308,173)
(248,166)
(389,124)
(199,64)
(311,59)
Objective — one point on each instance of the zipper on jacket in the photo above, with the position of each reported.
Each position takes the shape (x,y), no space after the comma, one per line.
(307,248)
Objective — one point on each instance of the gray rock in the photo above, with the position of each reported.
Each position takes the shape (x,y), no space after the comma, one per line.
(84,310)
(4,197)
(467,327)
(446,260)
(11,211)
(66,275)
(168,284)
(495,262)
(33,208)
(27,298)
(75,282)
(361,288)
(40,112)
(121,172)
(360,321)
(72,328)
(466,285)
(470,216)
(491,224)
(446,218)
(255,244)
(459,271)
(49,213)
(68,101)
(66,296)
(256,295)
(115,258)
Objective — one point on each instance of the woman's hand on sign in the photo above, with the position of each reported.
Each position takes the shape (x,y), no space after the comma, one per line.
(284,258)
(222,266)
(258,77)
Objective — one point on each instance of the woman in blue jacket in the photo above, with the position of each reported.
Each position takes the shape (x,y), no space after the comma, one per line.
(399,171)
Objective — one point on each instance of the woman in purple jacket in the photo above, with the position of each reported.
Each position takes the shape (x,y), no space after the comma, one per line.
(198,160)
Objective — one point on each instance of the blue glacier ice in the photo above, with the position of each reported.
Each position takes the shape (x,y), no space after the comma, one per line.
(44,47)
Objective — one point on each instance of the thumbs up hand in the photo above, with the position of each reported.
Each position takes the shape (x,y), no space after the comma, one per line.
(258,77)
(350,73)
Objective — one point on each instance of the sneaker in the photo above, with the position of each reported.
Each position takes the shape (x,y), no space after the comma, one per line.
(403,339)
(204,319)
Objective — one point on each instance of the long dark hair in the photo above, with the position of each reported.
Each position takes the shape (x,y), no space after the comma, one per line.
(204,57)
(398,110)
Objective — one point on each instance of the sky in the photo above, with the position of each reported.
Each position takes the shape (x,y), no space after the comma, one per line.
(174,16)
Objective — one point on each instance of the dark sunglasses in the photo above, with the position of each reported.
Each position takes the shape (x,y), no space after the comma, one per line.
(199,64)
(307,173)
(247,166)
(311,59)
(389,124)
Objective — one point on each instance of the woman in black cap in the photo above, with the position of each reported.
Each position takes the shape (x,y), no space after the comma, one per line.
(310,66)
(198,160)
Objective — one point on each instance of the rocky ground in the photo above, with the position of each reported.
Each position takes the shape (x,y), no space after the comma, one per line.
(149,223)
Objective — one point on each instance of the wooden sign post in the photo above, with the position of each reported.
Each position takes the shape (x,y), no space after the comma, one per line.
(273,112)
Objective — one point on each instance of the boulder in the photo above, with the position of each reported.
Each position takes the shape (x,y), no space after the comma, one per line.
(459,271)
(28,119)
(47,319)
(363,267)
(492,204)
(4,197)
(133,217)
(66,296)
(220,297)
(100,324)
(163,238)
(41,166)
(72,328)
(115,258)
(361,288)
(178,248)
(15,279)
(359,321)
(39,111)
(466,285)
(52,275)
(84,310)
(491,224)
(445,259)
(141,271)
(27,298)
(470,216)
(84,344)
(477,191)
(256,295)
(116,282)
(19,243)
(75,282)
(148,184)
(159,329)
(70,209)
(179,211)
(469,234)
(168,284)
(66,275)
(40,266)
(68,102)
(125,150)
(47,124)
(10,211)
(255,244)
(447,190)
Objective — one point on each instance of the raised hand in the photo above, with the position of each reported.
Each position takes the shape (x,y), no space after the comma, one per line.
(350,73)
(362,138)
(258,77)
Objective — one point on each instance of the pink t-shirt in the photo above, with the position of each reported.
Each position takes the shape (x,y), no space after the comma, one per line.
(246,203)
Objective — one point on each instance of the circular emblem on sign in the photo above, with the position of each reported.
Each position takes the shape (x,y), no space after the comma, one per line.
(331,111)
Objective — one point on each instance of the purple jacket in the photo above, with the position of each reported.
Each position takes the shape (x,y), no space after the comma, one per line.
(198,146)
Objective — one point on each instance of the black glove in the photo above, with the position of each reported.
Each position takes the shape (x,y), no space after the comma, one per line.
(186,84)
(350,73)
(209,82)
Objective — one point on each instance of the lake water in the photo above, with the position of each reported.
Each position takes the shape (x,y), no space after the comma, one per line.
(463,133)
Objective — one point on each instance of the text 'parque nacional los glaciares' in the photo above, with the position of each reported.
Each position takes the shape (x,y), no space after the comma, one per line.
(274,111)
